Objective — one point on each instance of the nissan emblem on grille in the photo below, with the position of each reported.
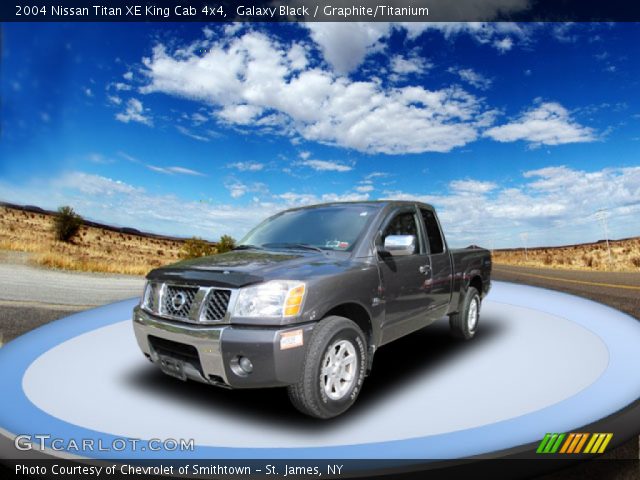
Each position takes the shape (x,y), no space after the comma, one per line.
(178,300)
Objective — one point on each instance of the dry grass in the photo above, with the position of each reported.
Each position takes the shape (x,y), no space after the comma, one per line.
(92,250)
(625,256)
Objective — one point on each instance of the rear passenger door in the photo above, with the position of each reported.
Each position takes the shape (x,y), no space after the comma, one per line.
(441,279)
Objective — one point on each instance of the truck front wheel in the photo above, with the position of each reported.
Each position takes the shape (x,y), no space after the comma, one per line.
(464,323)
(333,371)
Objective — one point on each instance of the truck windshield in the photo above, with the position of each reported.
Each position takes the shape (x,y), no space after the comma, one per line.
(332,227)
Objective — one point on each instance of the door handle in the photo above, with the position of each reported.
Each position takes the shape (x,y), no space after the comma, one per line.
(425,269)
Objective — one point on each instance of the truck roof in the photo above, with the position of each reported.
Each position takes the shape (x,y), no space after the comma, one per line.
(381,203)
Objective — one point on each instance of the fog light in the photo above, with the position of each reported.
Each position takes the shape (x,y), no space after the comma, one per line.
(245,364)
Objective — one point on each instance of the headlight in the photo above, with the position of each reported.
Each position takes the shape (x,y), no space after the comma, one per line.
(274,299)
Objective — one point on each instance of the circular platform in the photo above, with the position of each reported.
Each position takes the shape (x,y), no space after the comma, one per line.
(542,362)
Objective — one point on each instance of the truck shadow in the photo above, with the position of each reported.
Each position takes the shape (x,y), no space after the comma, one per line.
(401,362)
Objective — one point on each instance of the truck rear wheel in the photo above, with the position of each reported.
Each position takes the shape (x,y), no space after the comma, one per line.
(334,369)
(464,323)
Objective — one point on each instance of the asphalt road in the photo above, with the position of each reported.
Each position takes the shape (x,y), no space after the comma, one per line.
(31,296)
(616,289)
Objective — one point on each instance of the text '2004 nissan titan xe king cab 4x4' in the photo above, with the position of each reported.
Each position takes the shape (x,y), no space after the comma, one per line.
(307,297)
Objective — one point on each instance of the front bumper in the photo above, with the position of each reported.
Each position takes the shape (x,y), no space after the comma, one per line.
(208,353)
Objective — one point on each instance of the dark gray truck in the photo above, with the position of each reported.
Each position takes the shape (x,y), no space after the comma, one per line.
(306,299)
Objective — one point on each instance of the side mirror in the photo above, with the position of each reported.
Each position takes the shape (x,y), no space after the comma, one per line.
(400,245)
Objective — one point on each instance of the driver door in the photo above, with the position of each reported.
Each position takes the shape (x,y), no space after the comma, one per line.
(404,278)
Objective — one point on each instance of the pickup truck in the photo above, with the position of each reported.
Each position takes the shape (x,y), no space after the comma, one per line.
(306,299)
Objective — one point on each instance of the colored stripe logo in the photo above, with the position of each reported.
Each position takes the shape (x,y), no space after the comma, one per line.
(573,443)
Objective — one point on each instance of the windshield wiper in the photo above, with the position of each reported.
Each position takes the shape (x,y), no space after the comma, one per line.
(246,246)
(299,246)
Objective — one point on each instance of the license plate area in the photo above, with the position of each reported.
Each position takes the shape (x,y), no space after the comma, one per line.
(172,367)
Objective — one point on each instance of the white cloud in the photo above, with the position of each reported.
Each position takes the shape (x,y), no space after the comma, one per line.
(250,81)
(175,170)
(294,199)
(114,99)
(555,205)
(88,92)
(503,45)
(111,201)
(185,131)
(365,188)
(499,35)
(345,45)
(472,77)
(403,65)
(121,86)
(198,119)
(247,166)
(128,76)
(325,166)
(134,113)
(471,186)
(548,123)
(238,189)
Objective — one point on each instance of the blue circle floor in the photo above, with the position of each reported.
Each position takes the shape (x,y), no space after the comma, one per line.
(543,361)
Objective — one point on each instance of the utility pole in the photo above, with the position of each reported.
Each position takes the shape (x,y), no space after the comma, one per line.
(602,215)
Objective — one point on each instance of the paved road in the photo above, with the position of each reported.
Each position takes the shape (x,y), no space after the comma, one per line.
(31,296)
(24,283)
(616,289)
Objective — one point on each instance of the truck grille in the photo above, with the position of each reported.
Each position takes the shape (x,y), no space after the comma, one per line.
(217,304)
(177,301)
(192,304)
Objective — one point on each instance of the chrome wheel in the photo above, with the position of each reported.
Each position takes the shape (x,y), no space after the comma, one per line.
(339,369)
(472,315)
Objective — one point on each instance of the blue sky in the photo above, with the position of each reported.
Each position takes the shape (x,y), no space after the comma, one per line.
(517,133)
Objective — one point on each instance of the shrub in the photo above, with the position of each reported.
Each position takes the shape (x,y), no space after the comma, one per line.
(196,247)
(226,243)
(66,224)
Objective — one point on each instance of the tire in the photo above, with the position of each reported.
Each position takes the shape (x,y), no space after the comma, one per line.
(329,386)
(464,324)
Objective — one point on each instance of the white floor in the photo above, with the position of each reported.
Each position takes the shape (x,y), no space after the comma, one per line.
(530,361)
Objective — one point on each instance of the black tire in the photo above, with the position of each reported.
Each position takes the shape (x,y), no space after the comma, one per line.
(310,395)
(462,325)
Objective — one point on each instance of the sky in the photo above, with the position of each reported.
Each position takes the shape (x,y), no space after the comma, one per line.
(518,134)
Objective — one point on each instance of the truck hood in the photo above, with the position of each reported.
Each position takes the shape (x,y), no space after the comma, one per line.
(244,267)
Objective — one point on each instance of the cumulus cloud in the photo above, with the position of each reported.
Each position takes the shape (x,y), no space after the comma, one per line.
(134,112)
(549,123)
(555,205)
(345,45)
(403,65)
(250,80)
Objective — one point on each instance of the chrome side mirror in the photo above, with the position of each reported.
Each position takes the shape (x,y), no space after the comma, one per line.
(400,245)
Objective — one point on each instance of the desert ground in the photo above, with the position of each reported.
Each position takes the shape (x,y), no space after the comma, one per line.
(94,249)
(625,256)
